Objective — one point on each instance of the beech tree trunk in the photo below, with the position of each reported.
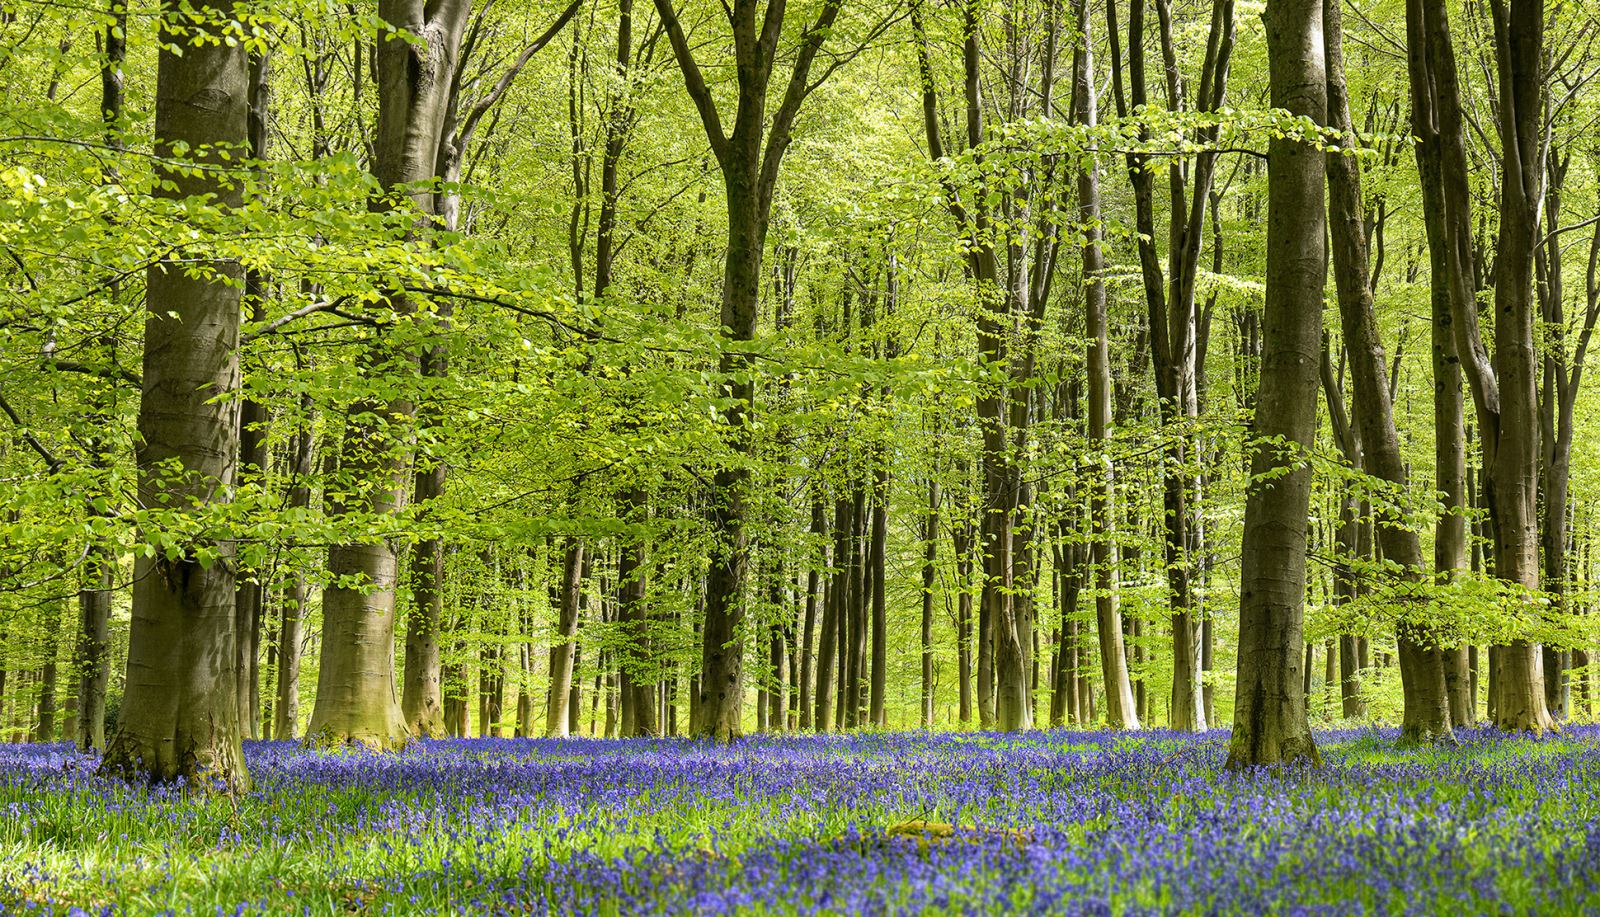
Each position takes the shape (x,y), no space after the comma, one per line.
(1270,719)
(94,598)
(1427,713)
(563,653)
(356,697)
(180,713)
(1121,712)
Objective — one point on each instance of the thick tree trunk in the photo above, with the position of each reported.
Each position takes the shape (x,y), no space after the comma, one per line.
(180,714)
(1270,721)
(356,697)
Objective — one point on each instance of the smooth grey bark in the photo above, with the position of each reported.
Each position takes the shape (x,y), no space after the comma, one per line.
(563,653)
(1427,714)
(1121,712)
(180,715)
(1270,720)
(357,701)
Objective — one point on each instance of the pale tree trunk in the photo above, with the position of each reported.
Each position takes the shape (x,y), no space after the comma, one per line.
(180,712)
(563,653)
(1427,713)
(1270,721)
(356,697)
(1120,709)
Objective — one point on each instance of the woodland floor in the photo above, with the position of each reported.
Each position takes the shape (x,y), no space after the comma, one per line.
(1050,822)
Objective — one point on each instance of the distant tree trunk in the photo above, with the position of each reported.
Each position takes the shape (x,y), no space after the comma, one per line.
(563,653)
(961,547)
(877,569)
(1270,721)
(750,158)
(833,606)
(930,575)
(1120,703)
(180,714)
(356,697)
(94,598)
(251,591)
(286,708)
(855,692)
(815,599)
(44,728)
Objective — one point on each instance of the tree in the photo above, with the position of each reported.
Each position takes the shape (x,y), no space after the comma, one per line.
(356,697)
(1427,712)
(1270,724)
(180,714)
(749,156)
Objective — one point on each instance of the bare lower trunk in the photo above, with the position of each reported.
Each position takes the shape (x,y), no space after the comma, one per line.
(94,646)
(1427,714)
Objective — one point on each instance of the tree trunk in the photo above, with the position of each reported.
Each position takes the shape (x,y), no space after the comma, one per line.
(877,570)
(356,697)
(961,546)
(1270,721)
(930,574)
(1427,712)
(180,714)
(563,653)
(1121,711)
(815,599)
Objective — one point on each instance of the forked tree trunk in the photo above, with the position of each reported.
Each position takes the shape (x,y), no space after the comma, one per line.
(180,714)
(356,697)
(1270,721)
